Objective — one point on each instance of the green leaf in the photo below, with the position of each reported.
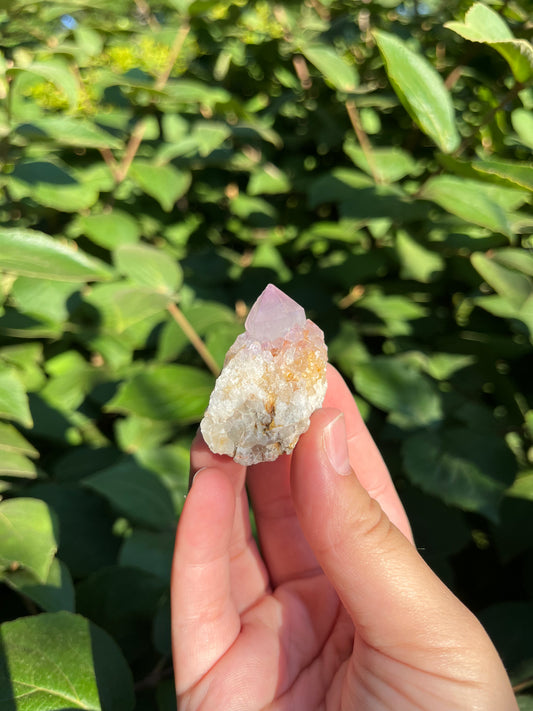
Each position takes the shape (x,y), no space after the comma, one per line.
(86,525)
(394,385)
(54,594)
(335,70)
(164,183)
(518,259)
(514,287)
(14,464)
(470,200)
(109,230)
(510,173)
(136,493)
(150,551)
(268,180)
(56,72)
(189,91)
(34,254)
(13,398)
(169,392)
(28,538)
(122,306)
(522,487)
(416,261)
(522,120)
(482,24)
(52,186)
(122,601)
(68,131)
(43,299)
(12,441)
(462,467)
(58,661)
(390,164)
(149,267)
(421,91)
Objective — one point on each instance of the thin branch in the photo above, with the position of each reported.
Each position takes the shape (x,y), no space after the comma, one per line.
(175,52)
(302,72)
(194,338)
(363,139)
(517,688)
(139,130)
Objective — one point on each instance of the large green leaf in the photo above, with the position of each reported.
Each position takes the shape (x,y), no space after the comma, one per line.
(522,121)
(58,661)
(511,285)
(122,306)
(15,464)
(335,70)
(109,230)
(163,182)
(31,253)
(483,24)
(122,601)
(52,186)
(470,200)
(149,267)
(86,524)
(136,493)
(460,466)
(397,387)
(150,551)
(12,441)
(43,298)
(389,164)
(13,398)
(420,89)
(52,595)
(513,174)
(417,262)
(171,392)
(69,131)
(28,536)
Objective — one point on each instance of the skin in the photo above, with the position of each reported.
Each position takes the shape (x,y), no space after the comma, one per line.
(337,610)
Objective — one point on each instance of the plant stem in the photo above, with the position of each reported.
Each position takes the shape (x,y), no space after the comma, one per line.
(137,135)
(363,139)
(194,338)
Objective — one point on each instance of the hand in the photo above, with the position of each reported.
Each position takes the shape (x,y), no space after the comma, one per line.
(336,610)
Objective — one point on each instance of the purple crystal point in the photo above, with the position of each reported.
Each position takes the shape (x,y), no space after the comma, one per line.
(273,315)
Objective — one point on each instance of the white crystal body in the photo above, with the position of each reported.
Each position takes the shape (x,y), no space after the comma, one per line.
(266,393)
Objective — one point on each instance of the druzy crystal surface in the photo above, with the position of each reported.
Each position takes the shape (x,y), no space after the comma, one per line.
(273,379)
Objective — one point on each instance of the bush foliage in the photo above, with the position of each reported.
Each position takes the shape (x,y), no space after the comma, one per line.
(161,162)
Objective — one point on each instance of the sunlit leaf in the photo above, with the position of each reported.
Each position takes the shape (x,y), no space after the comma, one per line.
(420,89)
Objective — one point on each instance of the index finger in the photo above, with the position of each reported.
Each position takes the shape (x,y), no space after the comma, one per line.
(365,457)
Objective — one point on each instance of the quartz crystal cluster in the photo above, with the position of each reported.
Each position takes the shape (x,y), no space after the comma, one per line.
(273,379)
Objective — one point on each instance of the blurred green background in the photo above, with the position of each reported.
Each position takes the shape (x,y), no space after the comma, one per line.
(161,162)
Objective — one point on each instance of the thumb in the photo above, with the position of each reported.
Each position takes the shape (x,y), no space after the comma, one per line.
(388,590)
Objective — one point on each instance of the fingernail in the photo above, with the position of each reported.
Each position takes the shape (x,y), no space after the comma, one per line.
(195,475)
(336,446)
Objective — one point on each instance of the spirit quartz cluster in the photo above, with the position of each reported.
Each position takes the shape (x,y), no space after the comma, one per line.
(273,379)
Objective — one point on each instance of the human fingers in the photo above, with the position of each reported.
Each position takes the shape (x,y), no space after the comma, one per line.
(284,548)
(398,605)
(365,457)
(249,579)
(205,620)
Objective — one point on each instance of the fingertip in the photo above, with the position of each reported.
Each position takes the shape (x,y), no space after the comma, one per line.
(205,522)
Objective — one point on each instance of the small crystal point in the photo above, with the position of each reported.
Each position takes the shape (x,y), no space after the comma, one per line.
(273,315)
